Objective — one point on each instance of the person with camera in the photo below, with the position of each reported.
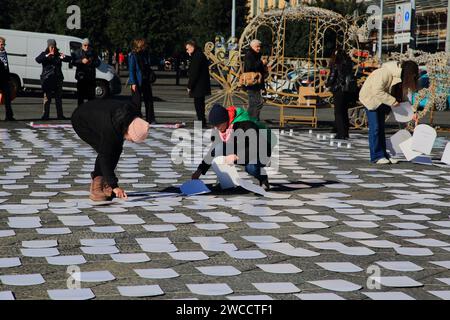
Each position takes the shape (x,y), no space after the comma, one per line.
(254,64)
(141,79)
(86,61)
(5,87)
(52,78)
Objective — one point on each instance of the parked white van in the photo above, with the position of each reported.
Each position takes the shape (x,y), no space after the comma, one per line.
(23,47)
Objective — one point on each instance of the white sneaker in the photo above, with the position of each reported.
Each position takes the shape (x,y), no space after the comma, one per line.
(393,161)
(383,161)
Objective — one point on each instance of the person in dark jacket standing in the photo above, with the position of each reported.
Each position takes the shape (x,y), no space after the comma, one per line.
(342,83)
(52,78)
(140,79)
(253,63)
(234,142)
(5,86)
(86,61)
(105,125)
(199,84)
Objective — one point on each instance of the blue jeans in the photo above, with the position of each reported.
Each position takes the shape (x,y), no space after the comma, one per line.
(255,171)
(377,138)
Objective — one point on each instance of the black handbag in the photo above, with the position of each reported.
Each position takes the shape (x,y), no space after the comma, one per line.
(48,75)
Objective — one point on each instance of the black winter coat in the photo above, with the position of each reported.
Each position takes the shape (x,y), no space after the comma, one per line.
(253,63)
(86,72)
(239,148)
(338,75)
(51,68)
(4,74)
(199,79)
(103,124)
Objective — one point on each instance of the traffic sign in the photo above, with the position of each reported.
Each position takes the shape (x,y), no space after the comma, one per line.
(401,38)
(403,17)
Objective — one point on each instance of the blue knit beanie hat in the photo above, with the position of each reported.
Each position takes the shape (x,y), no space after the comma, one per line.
(218,115)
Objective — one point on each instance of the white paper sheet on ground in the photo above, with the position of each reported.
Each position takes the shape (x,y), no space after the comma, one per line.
(279,268)
(415,252)
(100,250)
(189,256)
(66,260)
(226,174)
(219,271)
(130,258)
(344,267)
(71,294)
(423,139)
(211,226)
(395,141)
(276,287)
(140,291)
(443,264)
(247,254)
(405,266)
(108,229)
(40,253)
(22,279)
(10,262)
(404,112)
(262,297)
(397,282)
(408,152)
(156,274)
(210,289)
(426,160)
(194,187)
(6,296)
(310,237)
(446,155)
(444,294)
(392,295)
(93,276)
(318,296)
(160,228)
(337,285)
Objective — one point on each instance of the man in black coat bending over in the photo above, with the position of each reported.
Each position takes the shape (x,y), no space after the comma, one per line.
(105,125)
(199,85)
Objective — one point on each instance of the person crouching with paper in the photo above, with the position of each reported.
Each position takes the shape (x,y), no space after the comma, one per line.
(241,140)
(105,125)
(384,89)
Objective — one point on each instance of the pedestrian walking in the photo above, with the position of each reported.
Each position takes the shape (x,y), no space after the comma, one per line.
(199,84)
(5,77)
(342,83)
(141,78)
(86,61)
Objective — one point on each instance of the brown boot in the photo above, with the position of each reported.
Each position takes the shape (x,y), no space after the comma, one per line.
(108,191)
(97,193)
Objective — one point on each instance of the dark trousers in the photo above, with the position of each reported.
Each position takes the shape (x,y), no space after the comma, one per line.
(88,136)
(49,93)
(342,102)
(85,91)
(145,93)
(200,106)
(6,91)
(377,138)
(255,171)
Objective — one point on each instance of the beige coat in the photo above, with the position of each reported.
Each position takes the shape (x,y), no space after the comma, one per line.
(378,86)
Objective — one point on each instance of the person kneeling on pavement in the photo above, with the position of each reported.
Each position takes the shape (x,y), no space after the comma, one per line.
(241,139)
(105,125)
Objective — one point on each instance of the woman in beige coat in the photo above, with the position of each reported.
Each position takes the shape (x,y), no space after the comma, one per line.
(384,89)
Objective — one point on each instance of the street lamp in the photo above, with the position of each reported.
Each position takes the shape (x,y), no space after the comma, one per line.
(233,20)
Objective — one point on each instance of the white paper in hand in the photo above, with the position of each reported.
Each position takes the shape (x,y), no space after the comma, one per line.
(194,187)
(227,175)
(407,150)
(404,112)
(446,156)
(397,139)
(423,139)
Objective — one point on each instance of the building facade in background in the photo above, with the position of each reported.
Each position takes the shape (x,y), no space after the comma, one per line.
(431,20)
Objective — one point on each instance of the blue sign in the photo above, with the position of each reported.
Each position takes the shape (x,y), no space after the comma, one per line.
(407,15)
